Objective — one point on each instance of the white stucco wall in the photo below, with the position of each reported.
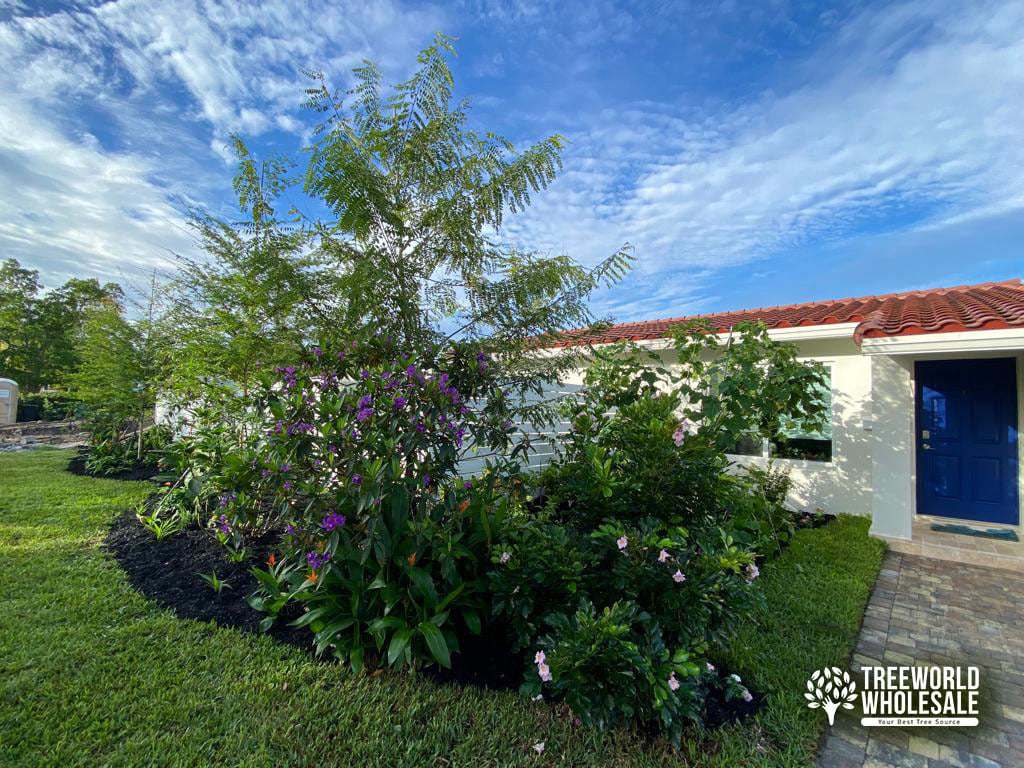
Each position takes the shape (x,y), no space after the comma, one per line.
(892,457)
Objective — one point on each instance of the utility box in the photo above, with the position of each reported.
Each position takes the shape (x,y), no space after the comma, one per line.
(8,401)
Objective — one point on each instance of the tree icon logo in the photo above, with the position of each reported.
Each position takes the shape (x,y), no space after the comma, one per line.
(830,689)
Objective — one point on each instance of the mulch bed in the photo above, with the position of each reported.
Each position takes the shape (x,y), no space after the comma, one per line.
(141,472)
(167,572)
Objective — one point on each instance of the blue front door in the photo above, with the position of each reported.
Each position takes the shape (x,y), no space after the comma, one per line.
(967,439)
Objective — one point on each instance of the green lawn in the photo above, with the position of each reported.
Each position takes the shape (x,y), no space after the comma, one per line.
(93,674)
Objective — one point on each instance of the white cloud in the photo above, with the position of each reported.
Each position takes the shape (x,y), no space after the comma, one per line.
(119,108)
(915,108)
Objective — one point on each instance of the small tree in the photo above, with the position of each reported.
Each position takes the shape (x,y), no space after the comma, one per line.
(122,366)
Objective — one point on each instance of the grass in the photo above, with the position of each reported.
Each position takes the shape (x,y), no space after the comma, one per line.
(93,674)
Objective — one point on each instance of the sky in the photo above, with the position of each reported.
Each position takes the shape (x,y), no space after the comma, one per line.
(753,153)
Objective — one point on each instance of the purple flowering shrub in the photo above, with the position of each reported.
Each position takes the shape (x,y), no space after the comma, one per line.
(385,545)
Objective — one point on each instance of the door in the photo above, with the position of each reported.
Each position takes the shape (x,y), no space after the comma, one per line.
(967,439)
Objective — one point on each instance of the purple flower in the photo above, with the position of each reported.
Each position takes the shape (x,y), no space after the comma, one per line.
(287,485)
(364,374)
(331,521)
(420,426)
(357,479)
(468,484)
(286,467)
(341,355)
(752,572)
(364,414)
(400,402)
(289,529)
(225,526)
(505,557)
(318,352)
(365,401)
(226,498)
(426,479)
(315,559)
(410,371)
(480,357)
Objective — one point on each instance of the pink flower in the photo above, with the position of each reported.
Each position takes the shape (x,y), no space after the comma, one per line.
(752,572)
(505,557)
(662,556)
(539,657)
(672,682)
(545,672)
(539,747)
(678,436)
(622,542)
(678,577)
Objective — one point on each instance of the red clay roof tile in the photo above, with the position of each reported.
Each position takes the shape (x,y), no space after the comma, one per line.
(960,308)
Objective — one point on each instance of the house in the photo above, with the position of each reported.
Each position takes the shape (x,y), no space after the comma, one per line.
(925,408)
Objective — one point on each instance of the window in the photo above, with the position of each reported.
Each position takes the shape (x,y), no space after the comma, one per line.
(797,443)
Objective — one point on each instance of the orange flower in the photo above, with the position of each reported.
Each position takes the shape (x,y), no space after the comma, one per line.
(312,576)
(464,505)
(272,560)
(412,559)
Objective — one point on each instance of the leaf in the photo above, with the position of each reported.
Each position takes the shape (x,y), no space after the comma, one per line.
(355,657)
(436,643)
(472,619)
(399,642)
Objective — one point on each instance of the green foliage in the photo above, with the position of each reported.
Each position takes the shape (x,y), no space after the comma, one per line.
(764,522)
(216,584)
(161,526)
(39,335)
(658,539)
(612,666)
(120,376)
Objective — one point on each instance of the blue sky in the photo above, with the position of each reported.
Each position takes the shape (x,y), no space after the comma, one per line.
(754,153)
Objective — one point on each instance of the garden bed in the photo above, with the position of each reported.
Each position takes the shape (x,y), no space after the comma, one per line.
(76,466)
(167,572)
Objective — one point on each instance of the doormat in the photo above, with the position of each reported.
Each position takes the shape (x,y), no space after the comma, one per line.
(1005,534)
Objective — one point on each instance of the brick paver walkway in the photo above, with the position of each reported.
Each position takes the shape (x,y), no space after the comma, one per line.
(925,611)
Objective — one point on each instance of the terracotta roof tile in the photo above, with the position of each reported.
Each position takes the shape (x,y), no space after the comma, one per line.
(960,308)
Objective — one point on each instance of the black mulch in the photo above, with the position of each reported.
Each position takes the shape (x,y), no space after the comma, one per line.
(168,571)
(140,472)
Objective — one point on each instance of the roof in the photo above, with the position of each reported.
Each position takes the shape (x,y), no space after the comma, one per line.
(941,310)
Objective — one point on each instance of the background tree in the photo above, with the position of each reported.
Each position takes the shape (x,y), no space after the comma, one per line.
(123,368)
(40,334)
(19,340)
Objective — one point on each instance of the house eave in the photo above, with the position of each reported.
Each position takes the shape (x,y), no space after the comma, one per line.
(998,340)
